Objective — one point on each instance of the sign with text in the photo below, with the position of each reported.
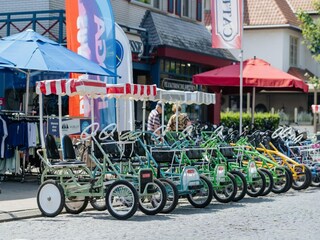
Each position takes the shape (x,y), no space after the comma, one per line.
(226,23)
(69,126)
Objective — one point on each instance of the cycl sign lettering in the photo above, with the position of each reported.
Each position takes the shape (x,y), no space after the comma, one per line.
(227,19)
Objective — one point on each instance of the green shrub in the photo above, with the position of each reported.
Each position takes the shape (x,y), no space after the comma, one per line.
(262,121)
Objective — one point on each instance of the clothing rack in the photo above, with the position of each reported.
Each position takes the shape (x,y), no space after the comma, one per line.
(16,159)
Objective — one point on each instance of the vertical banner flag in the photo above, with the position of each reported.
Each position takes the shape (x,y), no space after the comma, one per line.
(226,23)
(124,68)
(91,33)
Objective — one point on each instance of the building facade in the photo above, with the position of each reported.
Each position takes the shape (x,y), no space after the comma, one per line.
(272,33)
(168,39)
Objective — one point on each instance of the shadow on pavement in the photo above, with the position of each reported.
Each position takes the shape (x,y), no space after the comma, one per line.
(13,190)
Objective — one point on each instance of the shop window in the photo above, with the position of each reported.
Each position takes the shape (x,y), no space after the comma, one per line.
(186,8)
(293,51)
(170,6)
(172,67)
(199,10)
(178,7)
(152,3)
(167,66)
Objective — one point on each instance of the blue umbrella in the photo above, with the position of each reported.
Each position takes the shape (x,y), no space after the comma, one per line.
(30,51)
(6,63)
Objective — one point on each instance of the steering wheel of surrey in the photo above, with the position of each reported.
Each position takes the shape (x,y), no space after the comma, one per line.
(94,127)
(276,133)
(187,131)
(130,136)
(155,135)
(287,133)
(104,134)
(298,138)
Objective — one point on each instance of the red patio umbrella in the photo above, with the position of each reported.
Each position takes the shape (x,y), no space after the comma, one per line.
(257,75)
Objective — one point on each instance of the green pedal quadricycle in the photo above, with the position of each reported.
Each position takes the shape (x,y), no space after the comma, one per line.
(69,183)
(151,192)
(180,179)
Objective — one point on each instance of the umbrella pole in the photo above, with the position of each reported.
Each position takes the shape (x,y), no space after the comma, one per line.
(60,117)
(253,104)
(177,112)
(241,90)
(27,93)
(41,121)
(144,115)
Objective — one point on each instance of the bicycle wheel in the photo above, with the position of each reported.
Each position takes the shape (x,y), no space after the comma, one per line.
(172,195)
(226,190)
(75,205)
(257,185)
(50,198)
(155,200)
(202,197)
(241,185)
(282,179)
(122,199)
(98,203)
(269,181)
(302,178)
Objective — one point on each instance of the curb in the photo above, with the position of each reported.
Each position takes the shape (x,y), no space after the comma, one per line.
(17,215)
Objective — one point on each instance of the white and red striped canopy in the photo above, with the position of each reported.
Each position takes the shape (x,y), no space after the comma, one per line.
(132,91)
(71,87)
(96,88)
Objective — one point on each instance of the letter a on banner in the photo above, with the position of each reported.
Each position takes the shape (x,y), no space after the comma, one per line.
(226,23)
(91,33)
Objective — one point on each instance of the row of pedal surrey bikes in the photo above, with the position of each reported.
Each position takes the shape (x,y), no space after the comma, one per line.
(134,170)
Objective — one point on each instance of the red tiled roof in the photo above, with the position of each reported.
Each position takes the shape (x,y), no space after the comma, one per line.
(300,73)
(305,5)
(270,12)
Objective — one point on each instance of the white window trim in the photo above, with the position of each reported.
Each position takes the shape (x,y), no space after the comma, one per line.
(149,5)
(293,63)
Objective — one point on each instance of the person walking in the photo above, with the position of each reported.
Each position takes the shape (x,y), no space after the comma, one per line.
(154,119)
(183,120)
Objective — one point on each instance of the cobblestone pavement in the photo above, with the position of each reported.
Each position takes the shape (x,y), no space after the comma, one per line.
(293,215)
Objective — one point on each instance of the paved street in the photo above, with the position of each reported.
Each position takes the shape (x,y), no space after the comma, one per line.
(293,215)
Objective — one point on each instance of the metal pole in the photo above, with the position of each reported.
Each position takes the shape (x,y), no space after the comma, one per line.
(60,117)
(253,104)
(144,115)
(177,112)
(241,67)
(41,121)
(27,93)
(241,90)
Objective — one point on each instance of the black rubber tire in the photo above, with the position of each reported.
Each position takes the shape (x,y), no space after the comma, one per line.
(269,181)
(307,180)
(315,179)
(47,195)
(134,204)
(98,204)
(172,195)
(241,185)
(208,184)
(160,205)
(309,176)
(74,206)
(287,175)
(231,196)
(253,193)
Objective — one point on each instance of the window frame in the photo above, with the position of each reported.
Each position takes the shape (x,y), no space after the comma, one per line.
(293,51)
